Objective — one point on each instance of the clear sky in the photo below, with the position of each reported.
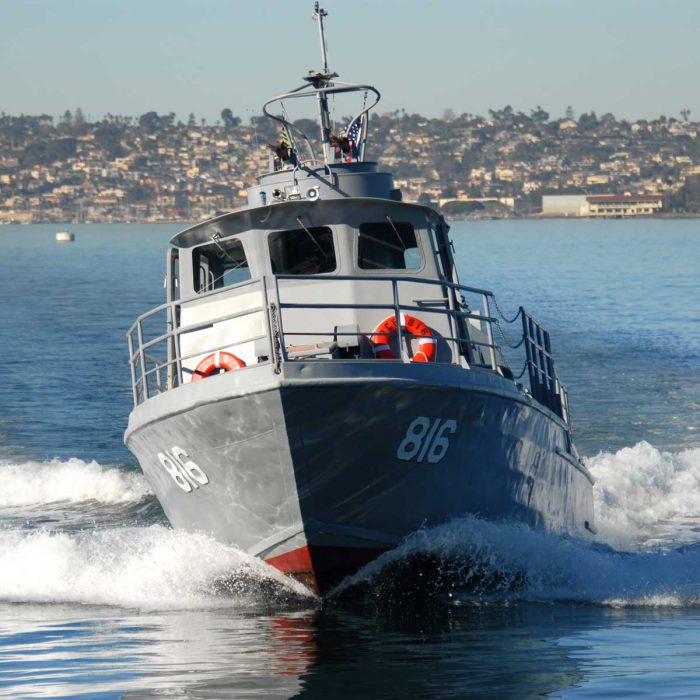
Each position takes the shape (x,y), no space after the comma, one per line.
(635,58)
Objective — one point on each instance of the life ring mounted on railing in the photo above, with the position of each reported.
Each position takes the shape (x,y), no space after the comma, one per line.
(411,325)
(225,361)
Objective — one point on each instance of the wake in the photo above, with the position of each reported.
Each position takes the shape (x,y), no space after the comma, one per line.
(152,568)
(647,552)
(40,483)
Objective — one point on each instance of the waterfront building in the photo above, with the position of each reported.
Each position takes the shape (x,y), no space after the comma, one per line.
(601,206)
(612,205)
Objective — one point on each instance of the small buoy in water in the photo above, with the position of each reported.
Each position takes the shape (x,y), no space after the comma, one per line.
(65,236)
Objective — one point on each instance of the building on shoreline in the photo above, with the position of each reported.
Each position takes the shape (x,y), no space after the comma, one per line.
(611,205)
(602,205)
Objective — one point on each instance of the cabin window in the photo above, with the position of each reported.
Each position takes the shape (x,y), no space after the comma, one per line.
(302,251)
(388,245)
(220,264)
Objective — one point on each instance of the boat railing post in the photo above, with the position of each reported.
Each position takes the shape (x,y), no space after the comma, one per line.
(454,327)
(142,358)
(528,351)
(280,326)
(489,330)
(176,346)
(130,340)
(547,387)
(170,348)
(397,317)
(158,367)
(553,379)
(174,367)
(268,322)
(536,375)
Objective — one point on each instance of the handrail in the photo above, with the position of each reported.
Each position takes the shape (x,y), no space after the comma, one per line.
(201,326)
(308,90)
(194,297)
(386,278)
(157,363)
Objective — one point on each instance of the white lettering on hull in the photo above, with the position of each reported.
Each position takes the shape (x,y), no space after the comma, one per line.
(183,471)
(426,438)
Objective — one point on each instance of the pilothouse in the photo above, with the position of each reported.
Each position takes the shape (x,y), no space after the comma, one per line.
(319,383)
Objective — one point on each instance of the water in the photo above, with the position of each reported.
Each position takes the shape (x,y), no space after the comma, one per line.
(100,599)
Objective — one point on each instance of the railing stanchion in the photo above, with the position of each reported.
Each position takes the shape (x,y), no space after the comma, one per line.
(176,345)
(489,331)
(268,322)
(551,374)
(454,326)
(397,317)
(280,325)
(142,357)
(133,369)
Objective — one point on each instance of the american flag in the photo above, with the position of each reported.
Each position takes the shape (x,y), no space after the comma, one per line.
(353,131)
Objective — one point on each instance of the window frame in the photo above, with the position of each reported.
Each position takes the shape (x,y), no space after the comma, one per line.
(197,252)
(336,252)
(394,271)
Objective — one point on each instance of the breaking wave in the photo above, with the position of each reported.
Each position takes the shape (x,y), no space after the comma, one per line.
(153,568)
(67,534)
(36,483)
(647,497)
(647,501)
(647,553)
(477,559)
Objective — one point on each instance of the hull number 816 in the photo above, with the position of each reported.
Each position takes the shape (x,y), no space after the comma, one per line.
(183,471)
(426,439)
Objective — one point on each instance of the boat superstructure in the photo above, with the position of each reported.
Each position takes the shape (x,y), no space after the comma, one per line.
(319,383)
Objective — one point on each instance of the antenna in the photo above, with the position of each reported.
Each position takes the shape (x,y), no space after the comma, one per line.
(318,15)
(321,80)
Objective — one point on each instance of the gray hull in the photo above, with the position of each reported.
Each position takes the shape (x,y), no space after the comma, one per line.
(318,473)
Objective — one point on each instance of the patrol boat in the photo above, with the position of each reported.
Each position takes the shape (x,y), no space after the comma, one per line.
(319,384)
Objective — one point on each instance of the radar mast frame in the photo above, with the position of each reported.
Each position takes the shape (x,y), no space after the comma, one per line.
(321,84)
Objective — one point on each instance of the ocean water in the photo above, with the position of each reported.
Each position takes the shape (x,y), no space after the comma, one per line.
(99,598)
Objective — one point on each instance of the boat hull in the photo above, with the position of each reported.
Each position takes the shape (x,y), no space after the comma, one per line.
(320,475)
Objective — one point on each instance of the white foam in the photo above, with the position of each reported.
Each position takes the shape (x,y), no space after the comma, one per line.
(35,483)
(643,495)
(647,503)
(511,561)
(153,567)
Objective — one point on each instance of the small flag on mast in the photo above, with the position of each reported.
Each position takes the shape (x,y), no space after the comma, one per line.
(354,132)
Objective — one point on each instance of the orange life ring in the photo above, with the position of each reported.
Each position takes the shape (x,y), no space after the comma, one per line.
(215,361)
(409,324)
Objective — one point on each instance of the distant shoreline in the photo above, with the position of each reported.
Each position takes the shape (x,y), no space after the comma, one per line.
(540,217)
(514,217)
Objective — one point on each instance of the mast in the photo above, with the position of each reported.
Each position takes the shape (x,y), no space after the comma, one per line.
(319,14)
(320,80)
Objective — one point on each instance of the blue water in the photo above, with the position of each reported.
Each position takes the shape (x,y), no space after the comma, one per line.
(100,599)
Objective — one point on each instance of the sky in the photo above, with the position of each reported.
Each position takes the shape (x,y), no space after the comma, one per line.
(634,58)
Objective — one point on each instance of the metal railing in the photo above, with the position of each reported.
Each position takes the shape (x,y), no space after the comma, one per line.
(544,380)
(477,352)
(158,363)
(156,360)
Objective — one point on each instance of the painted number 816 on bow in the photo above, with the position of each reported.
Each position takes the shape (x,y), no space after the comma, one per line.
(426,438)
